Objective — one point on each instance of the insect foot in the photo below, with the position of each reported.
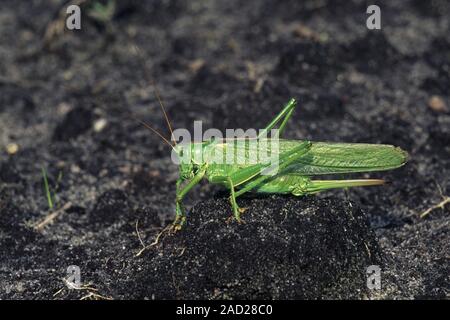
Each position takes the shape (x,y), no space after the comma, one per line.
(289,248)
(232,218)
(178,224)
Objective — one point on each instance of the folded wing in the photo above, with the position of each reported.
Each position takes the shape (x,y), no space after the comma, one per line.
(330,158)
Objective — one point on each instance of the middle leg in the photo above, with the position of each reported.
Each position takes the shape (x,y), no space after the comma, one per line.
(286,159)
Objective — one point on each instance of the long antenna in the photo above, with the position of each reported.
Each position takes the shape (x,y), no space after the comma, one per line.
(145,124)
(156,92)
(155,88)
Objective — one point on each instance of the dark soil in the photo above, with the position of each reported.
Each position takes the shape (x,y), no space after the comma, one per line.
(288,248)
(69,101)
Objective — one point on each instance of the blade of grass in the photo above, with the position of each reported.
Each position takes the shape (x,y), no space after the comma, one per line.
(47,189)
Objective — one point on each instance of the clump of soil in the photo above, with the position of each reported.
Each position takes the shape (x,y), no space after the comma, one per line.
(288,248)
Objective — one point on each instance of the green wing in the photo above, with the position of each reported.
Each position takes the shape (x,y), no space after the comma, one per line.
(330,158)
(323,158)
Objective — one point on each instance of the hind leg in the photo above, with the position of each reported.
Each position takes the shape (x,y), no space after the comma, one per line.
(236,210)
(284,115)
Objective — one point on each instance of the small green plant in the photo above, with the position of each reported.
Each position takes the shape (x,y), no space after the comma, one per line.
(48,193)
(102,12)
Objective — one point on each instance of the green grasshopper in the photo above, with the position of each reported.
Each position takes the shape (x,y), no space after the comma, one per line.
(298,162)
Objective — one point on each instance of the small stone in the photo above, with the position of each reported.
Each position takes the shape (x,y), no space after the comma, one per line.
(196,65)
(12,148)
(75,169)
(63,108)
(437,104)
(100,124)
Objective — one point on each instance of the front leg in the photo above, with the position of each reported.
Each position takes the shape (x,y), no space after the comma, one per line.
(180,218)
